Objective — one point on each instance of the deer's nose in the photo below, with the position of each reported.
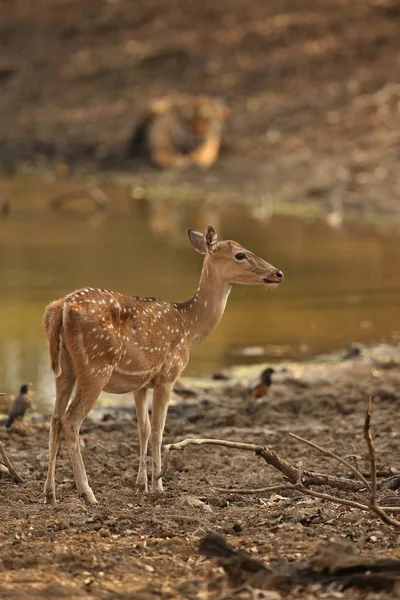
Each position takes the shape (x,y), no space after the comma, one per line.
(279,274)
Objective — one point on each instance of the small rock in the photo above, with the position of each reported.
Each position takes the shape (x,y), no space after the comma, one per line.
(148,568)
(124,449)
(194,502)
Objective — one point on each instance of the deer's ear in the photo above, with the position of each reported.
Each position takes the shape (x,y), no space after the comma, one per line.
(197,240)
(211,238)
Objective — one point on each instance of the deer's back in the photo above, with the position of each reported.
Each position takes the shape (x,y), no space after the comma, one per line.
(106,331)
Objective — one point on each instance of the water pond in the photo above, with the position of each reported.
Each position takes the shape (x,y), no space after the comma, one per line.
(341,284)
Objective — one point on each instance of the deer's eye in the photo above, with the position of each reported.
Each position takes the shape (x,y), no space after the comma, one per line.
(240,255)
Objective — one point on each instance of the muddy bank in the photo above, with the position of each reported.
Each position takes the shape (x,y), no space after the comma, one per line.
(134,546)
(313,89)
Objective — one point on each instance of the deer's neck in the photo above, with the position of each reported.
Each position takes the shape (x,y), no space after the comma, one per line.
(202,313)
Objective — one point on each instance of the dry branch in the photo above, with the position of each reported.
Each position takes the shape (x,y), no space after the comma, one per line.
(371,451)
(299,478)
(309,477)
(271,458)
(6,462)
(307,492)
(271,488)
(372,492)
(345,502)
(352,468)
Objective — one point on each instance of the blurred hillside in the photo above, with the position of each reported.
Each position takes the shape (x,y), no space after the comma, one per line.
(313,85)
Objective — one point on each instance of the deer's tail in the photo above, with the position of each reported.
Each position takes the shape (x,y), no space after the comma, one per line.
(53,324)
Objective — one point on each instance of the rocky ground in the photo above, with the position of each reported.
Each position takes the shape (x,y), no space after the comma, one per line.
(313,87)
(141,547)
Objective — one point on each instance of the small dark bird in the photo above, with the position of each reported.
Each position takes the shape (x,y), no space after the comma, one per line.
(260,387)
(21,404)
(220,376)
(354,350)
(4,208)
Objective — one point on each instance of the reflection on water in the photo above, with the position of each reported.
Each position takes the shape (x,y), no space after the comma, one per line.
(339,286)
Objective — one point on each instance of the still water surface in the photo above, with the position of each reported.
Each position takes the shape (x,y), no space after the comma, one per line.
(340,285)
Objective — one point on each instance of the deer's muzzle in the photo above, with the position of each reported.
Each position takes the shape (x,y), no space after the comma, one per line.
(275,277)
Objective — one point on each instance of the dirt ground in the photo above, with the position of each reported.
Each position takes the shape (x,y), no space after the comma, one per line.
(142,547)
(313,86)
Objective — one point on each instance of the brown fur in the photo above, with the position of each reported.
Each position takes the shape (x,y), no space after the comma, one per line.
(182,130)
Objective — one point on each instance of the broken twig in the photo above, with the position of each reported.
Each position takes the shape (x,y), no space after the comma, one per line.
(270,457)
(6,462)
(352,468)
(371,451)
(263,490)
(299,478)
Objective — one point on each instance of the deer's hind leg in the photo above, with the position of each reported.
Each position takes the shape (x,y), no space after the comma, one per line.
(87,392)
(144,434)
(64,386)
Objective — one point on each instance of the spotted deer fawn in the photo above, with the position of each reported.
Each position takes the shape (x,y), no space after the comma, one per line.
(103,340)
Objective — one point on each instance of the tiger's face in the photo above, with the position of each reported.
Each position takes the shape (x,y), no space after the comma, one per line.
(197,120)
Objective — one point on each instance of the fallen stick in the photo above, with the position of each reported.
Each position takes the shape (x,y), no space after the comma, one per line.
(371,451)
(270,457)
(345,502)
(307,492)
(6,462)
(300,478)
(309,477)
(352,468)
(263,490)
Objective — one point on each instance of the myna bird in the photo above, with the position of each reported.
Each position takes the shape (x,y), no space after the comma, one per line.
(21,404)
(260,387)
(4,208)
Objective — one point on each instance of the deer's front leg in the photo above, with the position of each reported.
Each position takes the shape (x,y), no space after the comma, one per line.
(144,434)
(161,396)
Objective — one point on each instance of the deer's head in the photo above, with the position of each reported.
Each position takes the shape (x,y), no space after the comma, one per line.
(234,263)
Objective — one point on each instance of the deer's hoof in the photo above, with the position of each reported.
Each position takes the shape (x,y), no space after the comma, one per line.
(89,498)
(49,499)
(157,489)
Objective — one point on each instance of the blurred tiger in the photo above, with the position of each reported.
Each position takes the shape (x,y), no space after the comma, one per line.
(177,131)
